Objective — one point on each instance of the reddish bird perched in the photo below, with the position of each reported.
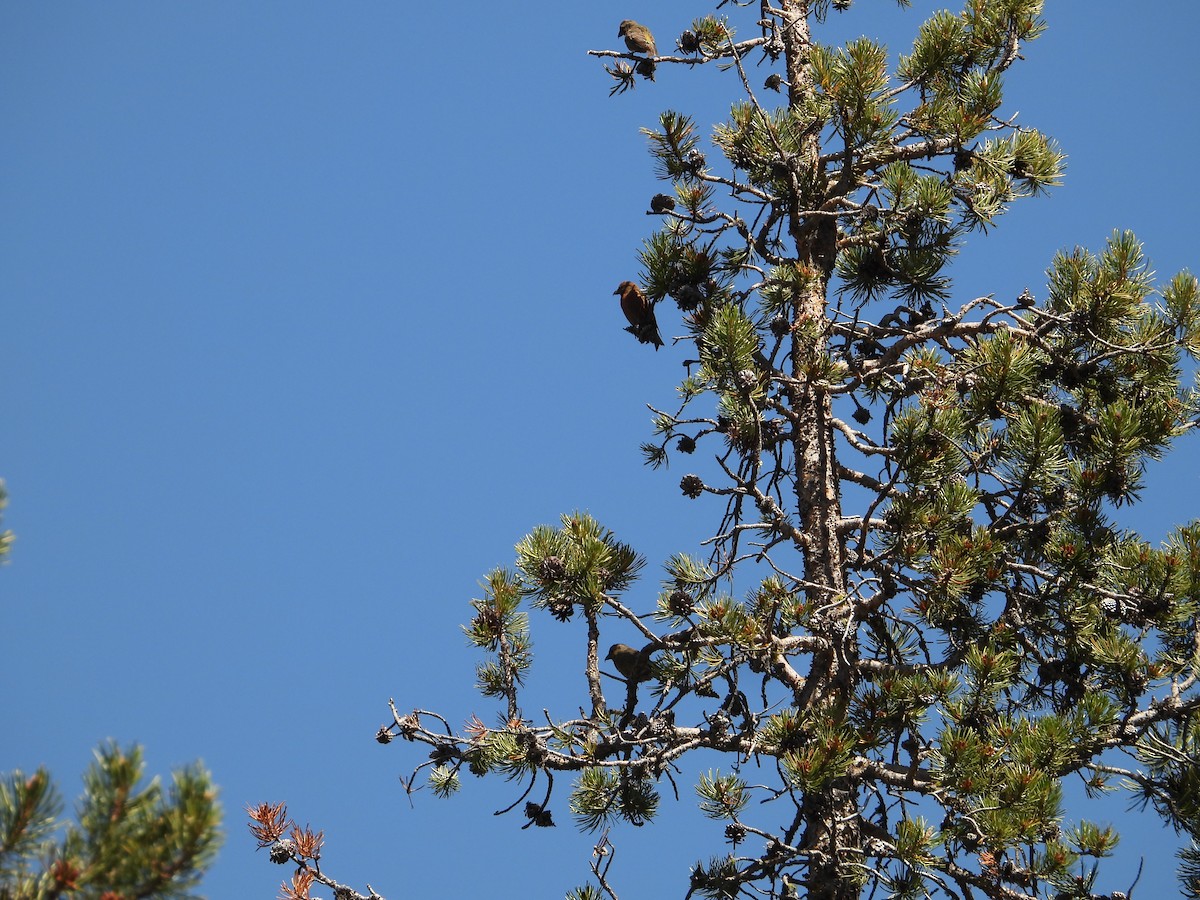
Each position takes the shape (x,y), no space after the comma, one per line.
(640,313)
(637,38)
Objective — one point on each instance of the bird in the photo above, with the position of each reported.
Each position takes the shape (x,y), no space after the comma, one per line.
(633,664)
(640,313)
(637,38)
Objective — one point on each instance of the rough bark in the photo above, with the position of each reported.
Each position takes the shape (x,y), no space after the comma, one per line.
(830,832)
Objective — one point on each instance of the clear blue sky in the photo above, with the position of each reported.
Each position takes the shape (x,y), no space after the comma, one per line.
(308,318)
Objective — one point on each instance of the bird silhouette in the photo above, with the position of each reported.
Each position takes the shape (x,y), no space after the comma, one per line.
(640,313)
(633,664)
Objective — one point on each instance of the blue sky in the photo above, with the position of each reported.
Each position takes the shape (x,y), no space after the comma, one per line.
(308,319)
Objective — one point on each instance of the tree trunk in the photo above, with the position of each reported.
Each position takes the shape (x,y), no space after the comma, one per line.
(831,832)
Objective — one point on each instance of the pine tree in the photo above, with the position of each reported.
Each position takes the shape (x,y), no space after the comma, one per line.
(130,839)
(918,609)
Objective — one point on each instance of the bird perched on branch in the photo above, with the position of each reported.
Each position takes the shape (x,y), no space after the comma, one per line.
(640,313)
(633,664)
(637,38)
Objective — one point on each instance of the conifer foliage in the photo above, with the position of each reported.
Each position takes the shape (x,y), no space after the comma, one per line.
(130,839)
(919,612)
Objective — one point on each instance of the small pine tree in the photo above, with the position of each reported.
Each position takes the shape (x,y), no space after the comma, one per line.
(129,840)
(918,612)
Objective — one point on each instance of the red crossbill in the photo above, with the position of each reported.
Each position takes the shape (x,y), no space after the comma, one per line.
(634,665)
(640,313)
(637,38)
